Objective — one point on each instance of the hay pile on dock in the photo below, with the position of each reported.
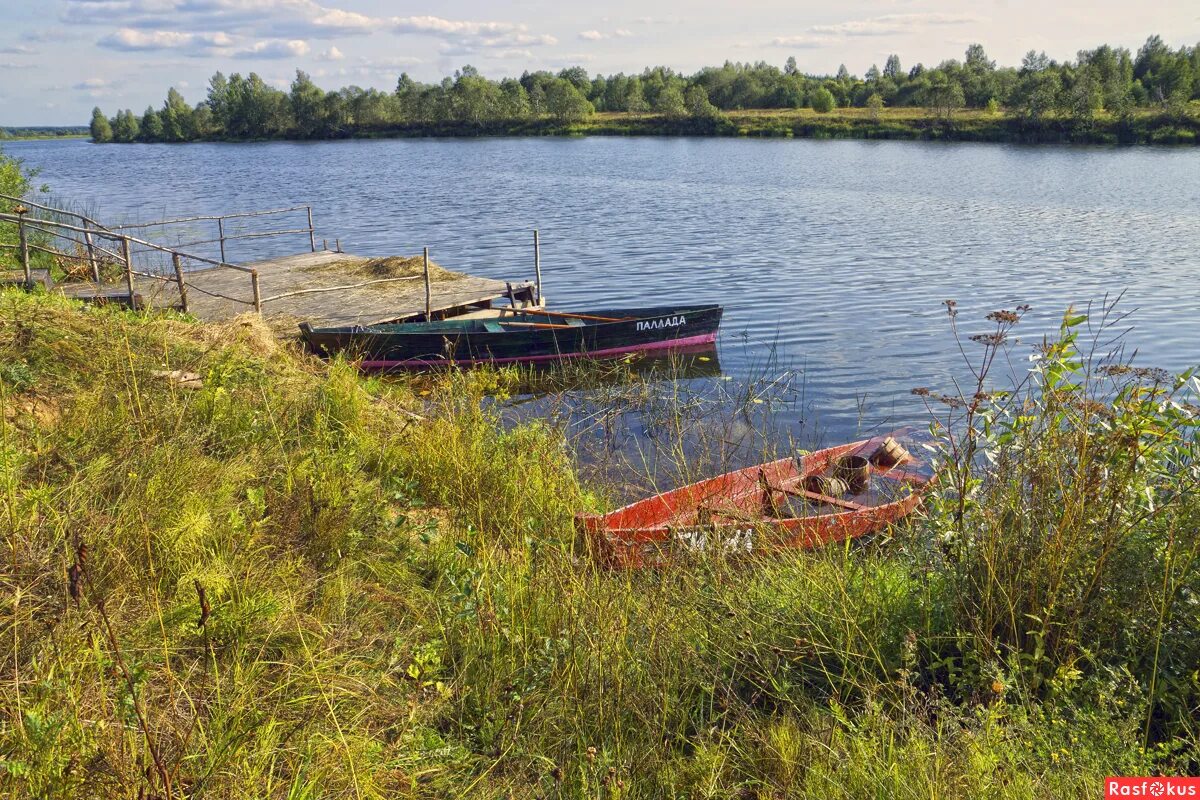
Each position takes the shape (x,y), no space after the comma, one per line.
(391,267)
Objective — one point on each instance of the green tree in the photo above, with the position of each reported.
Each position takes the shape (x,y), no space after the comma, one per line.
(670,102)
(151,127)
(891,68)
(565,102)
(202,122)
(176,117)
(944,97)
(822,101)
(307,100)
(474,99)
(125,127)
(698,104)
(100,127)
(1037,94)
(875,106)
(635,96)
(514,100)
(218,100)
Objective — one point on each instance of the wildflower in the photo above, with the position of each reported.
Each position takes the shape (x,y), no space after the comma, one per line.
(1004,317)
(591,754)
(997,687)
(921,391)
(989,339)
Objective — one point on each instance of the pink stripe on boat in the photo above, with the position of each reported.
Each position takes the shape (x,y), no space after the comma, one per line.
(686,341)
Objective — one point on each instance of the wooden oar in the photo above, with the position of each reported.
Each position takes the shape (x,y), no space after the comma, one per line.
(566,315)
(541,325)
(818,497)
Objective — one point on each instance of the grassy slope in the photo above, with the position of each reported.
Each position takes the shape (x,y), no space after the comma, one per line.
(398,607)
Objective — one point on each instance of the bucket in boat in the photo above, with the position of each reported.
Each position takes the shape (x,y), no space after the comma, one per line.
(855,471)
(826,485)
(889,454)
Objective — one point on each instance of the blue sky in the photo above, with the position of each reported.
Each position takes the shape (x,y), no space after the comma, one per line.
(59,58)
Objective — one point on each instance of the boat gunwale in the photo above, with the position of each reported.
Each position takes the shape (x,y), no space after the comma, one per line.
(594,523)
(426,328)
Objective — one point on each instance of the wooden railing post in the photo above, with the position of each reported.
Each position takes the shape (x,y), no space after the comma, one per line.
(128,273)
(183,303)
(23,238)
(537,266)
(221,235)
(312,232)
(257,292)
(428,291)
(91,249)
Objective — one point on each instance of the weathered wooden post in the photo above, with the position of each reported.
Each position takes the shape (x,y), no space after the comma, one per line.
(257,292)
(428,291)
(221,236)
(183,303)
(537,266)
(23,238)
(337,245)
(91,250)
(312,232)
(128,272)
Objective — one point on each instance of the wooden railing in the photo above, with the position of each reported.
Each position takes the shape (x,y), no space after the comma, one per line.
(87,226)
(122,244)
(223,236)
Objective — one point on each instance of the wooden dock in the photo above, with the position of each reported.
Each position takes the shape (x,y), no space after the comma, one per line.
(322,287)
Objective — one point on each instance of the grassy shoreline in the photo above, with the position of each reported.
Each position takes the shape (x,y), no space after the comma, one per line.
(282,583)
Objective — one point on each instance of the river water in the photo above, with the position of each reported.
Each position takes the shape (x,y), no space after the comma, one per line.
(832,259)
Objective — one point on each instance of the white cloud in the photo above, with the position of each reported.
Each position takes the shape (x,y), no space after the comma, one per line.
(271,28)
(91,83)
(437,25)
(132,40)
(293,48)
(803,41)
(884,25)
(332,54)
(597,36)
(17,50)
(14,65)
(892,24)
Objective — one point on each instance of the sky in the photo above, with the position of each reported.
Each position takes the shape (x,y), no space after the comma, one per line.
(59,58)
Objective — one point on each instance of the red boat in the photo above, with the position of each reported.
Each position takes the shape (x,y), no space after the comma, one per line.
(826,496)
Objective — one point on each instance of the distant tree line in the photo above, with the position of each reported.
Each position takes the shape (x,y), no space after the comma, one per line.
(1107,78)
(42,131)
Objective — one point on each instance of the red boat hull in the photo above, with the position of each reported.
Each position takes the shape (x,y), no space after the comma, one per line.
(728,513)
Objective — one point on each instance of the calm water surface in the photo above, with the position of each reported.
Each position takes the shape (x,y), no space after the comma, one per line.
(832,258)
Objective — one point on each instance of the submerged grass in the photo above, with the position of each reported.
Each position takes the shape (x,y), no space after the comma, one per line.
(296,582)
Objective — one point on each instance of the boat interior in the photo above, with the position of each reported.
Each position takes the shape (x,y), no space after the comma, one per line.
(854,477)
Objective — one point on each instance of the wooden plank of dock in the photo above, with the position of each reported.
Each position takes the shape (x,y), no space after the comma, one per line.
(323,288)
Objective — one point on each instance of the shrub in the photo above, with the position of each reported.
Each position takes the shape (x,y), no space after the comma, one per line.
(822,101)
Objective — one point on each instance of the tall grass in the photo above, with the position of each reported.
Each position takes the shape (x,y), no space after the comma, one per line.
(295,582)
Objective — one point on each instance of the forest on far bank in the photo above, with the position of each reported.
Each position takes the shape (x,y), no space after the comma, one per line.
(1106,80)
